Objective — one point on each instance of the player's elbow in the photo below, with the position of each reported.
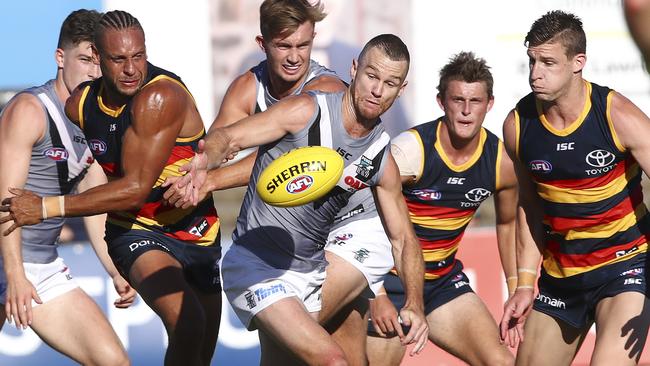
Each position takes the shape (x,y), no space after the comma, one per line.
(134,196)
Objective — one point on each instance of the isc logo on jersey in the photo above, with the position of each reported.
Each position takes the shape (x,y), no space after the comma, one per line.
(56,154)
(300,176)
(98,147)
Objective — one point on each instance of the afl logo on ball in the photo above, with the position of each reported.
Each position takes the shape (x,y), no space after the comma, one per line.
(56,154)
(98,147)
(299,184)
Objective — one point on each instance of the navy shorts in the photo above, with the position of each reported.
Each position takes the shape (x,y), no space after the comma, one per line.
(436,292)
(200,263)
(577,307)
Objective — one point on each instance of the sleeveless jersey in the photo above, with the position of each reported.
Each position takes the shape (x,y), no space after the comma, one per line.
(590,188)
(294,237)
(264,98)
(443,201)
(105,128)
(58,162)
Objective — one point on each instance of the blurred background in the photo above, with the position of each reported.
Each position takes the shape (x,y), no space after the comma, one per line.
(209,42)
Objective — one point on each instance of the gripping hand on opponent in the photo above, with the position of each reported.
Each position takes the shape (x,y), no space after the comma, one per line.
(384,317)
(24,208)
(187,188)
(419,331)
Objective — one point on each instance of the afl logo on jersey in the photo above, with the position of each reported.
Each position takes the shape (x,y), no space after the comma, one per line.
(300,184)
(98,147)
(600,158)
(541,166)
(478,194)
(428,194)
(56,154)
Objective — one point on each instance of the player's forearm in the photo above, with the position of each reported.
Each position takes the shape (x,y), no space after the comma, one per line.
(231,176)
(506,243)
(410,267)
(119,195)
(95,227)
(527,250)
(217,147)
(11,250)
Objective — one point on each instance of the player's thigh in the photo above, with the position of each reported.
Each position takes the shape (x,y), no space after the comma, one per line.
(621,329)
(343,283)
(160,281)
(384,351)
(73,324)
(542,333)
(290,326)
(465,328)
(349,329)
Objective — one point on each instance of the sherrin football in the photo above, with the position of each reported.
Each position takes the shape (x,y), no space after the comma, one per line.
(300,176)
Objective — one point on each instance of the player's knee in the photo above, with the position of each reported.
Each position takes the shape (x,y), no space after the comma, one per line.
(190,327)
(501,358)
(333,356)
(110,356)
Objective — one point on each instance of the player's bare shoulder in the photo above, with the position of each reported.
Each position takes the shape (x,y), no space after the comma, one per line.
(326,83)
(24,108)
(74,104)
(242,91)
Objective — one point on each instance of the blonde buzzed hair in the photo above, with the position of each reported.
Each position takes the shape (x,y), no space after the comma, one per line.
(283,17)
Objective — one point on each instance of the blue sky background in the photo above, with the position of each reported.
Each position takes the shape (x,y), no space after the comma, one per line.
(29,30)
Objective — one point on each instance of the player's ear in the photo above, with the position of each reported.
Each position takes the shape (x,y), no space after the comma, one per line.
(95,54)
(439,99)
(260,42)
(353,69)
(58,57)
(401,88)
(579,62)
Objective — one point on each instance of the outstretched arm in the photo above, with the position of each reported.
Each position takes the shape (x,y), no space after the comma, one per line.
(95,226)
(160,113)
(21,126)
(406,252)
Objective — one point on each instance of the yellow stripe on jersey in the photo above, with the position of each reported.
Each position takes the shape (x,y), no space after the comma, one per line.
(437,255)
(191,138)
(131,225)
(466,165)
(517,133)
(554,269)
(171,170)
(106,109)
(165,77)
(618,143)
(607,230)
(452,223)
(568,195)
(575,124)
(84,94)
(422,154)
(497,180)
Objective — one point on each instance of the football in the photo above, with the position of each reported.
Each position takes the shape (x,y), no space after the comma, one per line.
(300,176)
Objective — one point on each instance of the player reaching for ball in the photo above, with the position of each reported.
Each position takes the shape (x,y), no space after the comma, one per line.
(274,271)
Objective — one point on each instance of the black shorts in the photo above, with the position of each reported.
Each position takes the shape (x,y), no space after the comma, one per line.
(577,307)
(436,292)
(200,263)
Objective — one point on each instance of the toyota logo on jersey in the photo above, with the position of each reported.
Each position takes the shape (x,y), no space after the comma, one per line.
(600,158)
(478,194)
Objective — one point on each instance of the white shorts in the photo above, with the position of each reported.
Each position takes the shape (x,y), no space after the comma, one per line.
(252,285)
(364,244)
(50,280)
